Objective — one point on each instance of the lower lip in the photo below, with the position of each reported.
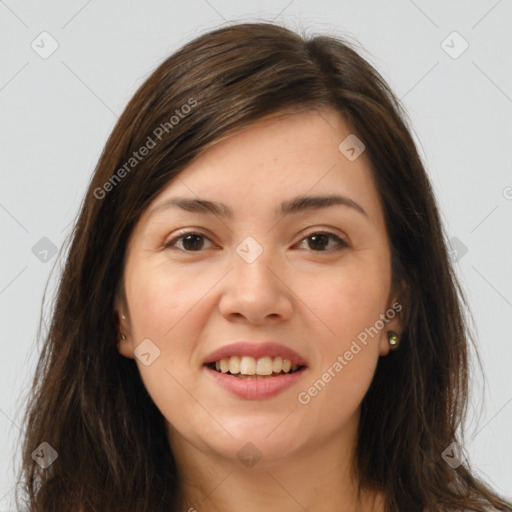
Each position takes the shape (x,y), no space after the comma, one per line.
(253,389)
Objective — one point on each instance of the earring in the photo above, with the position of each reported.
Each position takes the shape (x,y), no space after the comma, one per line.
(393,340)
(123,335)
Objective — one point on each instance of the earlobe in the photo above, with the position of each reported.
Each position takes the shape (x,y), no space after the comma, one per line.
(124,344)
(392,333)
(125,348)
(389,343)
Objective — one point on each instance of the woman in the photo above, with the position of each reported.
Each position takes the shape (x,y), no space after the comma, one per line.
(257,310)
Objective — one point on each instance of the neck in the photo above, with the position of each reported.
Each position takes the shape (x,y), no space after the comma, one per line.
(319,478)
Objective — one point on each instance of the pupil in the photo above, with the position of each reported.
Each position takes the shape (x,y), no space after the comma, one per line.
(315,238)
(189,245)
(186,241)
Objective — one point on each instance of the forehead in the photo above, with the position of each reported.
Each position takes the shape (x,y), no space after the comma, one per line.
(272,160)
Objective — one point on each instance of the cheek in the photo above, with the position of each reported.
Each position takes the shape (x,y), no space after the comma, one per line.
(338,391)
(163,308)
(348,301)
(159,299)
(349,307)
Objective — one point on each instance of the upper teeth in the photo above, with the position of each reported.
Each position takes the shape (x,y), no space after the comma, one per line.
(247,365)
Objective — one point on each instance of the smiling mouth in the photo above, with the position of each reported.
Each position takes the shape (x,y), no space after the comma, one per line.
(246,367)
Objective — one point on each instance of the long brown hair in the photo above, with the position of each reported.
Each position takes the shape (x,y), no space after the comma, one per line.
(88,402)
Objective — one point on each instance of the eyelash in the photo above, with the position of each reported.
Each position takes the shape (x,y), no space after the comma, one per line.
(342,244)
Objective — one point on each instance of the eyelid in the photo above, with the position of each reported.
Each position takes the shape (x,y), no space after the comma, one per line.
(342,242)
(183,233)
(324,231)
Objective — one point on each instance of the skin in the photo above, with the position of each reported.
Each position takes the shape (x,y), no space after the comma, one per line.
(316,302)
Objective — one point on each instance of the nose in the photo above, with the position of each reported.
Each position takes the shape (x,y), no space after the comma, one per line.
(256,287)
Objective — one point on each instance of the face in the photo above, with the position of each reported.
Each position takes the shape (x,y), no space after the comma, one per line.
(311,285)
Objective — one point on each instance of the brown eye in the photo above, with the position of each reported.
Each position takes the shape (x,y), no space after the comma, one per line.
(320,240)
(190,241)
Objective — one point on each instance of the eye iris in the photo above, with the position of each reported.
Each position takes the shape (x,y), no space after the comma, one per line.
(187,239)
(315,239)
(195,241)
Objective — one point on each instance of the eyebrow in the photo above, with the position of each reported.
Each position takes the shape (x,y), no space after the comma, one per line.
(292,206)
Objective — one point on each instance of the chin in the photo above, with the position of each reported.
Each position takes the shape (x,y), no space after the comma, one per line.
(266,437)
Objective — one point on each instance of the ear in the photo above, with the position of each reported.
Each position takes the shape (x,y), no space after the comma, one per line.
(124,334)
(393,322)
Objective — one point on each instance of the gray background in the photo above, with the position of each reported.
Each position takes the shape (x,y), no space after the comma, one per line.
(57,112)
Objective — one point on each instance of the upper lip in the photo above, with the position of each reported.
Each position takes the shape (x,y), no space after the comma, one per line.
(256,350)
